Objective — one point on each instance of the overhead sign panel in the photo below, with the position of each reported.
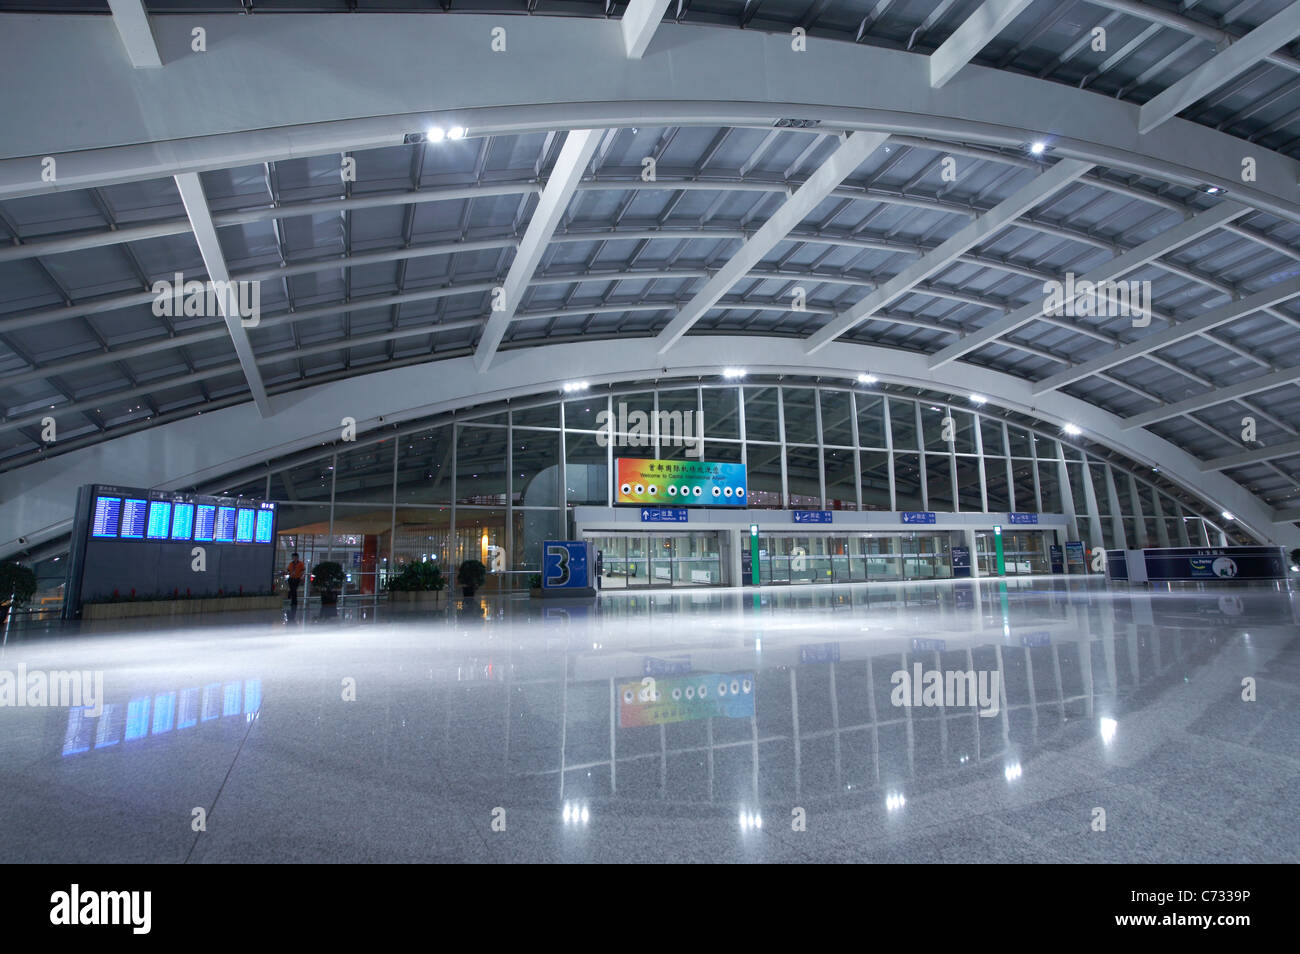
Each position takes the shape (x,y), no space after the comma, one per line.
(679,483)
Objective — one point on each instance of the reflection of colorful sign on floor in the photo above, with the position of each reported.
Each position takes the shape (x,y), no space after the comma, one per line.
(685,698)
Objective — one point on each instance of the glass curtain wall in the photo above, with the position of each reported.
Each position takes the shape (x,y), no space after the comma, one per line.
(493,485)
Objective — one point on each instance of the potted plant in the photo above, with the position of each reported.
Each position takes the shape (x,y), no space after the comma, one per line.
(327,577)
(418,578)
(17,587)
(535,584)
(471,575)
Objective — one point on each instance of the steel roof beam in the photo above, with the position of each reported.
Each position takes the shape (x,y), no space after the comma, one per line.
(975,33)
(97,123)
(640,20)
(1259,456)
(132,24)
(575,155)
(205,234)
(1168,240)
(851,153)
(984,227)
(1220,395)
(1273,34)
(1279,292)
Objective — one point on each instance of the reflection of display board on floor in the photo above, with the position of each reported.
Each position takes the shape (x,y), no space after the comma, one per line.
(133,543)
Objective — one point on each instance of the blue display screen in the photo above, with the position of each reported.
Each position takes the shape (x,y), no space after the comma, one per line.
(225,524)
(108,511)
(182,521)
(135,514)
(205,522)
(160,518)
(265,518)
(244,526)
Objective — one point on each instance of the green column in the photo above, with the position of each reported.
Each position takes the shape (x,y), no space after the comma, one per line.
(753,553)
(997,543)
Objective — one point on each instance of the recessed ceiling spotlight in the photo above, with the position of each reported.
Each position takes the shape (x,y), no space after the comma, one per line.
(867,379)
(978,399)
(1228,516)
(571,386)
(1214,190)
(733,372)
(1038,147)
(456,132)
(1072,429)
(435,134)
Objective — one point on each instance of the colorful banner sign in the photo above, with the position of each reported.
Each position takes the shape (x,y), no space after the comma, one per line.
(681,483)
(685,698)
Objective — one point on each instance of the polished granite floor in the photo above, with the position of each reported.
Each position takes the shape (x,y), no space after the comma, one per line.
(535,719)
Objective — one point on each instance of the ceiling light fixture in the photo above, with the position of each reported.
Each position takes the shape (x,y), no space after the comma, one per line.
(571,386)
(456,132)
(1228,516)
(1072,429)
(733,372)
(867,379)
(1038,147)
(978,399)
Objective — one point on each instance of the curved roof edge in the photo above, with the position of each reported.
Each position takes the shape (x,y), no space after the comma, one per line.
(38,498)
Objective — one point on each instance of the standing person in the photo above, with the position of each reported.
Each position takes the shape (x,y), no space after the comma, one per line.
(294,572)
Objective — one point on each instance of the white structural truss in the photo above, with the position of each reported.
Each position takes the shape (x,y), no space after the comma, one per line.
(847,157)
(575,155)
(205,233)
(981,229)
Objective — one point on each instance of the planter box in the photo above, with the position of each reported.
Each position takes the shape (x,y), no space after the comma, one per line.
(414,598)
(180,607)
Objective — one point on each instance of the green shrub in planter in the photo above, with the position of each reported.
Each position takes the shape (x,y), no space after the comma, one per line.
(471,575)
(418,578)
(17,586)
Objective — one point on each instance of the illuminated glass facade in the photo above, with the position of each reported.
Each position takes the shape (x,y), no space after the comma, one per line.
(493,483)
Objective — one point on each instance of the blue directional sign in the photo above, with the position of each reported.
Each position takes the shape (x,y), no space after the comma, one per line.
(664,514)
(1022,518)
(918,516)
(564,565)
(812,516)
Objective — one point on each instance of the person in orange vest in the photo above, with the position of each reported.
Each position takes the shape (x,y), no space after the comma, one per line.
(294,573)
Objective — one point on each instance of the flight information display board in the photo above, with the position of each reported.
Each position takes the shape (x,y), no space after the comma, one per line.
(160,522)
(131,543)
(225,525)
(108,512)
(135,514)
(205,522)
(244,525)
(265,521)
(182,521)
